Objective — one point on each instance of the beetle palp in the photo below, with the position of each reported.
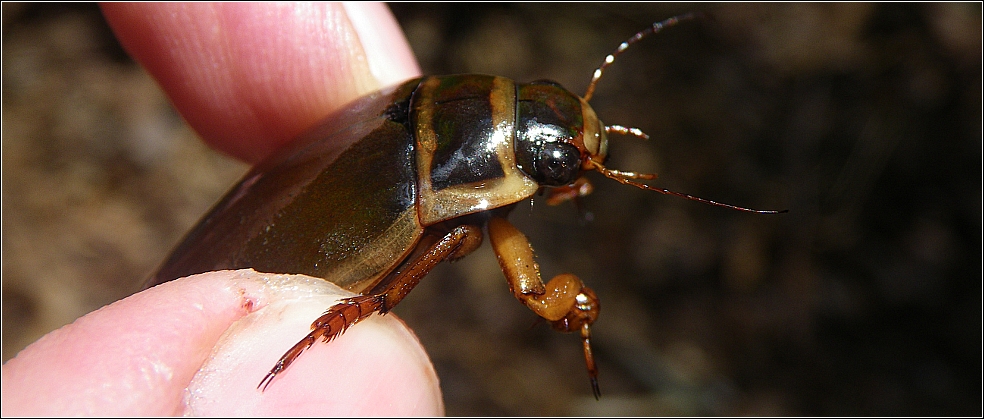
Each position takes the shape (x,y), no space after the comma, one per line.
(618,129)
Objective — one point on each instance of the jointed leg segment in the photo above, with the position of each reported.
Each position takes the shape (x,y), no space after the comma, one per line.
(457,243)
(564,301)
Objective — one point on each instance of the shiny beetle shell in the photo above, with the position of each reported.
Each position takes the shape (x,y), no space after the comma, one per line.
(398,181)
(400,160)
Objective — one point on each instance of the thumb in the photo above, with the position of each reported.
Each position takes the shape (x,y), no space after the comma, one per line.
(201,344)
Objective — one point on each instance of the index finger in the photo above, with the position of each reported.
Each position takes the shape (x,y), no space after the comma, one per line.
(249,77)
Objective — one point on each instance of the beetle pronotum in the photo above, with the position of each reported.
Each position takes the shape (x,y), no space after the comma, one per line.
(439,159)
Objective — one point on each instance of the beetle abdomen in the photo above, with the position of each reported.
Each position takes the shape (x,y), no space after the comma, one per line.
(337,203)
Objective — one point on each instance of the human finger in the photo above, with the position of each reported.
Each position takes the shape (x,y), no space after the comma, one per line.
(249,77)
(196,345)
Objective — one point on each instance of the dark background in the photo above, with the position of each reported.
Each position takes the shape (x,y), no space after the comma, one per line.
(864,120)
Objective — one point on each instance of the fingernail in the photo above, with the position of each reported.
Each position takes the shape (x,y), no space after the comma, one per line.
(389,55)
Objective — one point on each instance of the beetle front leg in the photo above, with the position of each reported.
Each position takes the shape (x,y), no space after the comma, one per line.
(459,242)
(564,301)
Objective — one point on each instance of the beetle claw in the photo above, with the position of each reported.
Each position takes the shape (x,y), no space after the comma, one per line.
(267,379)
(579,318)
(595,389)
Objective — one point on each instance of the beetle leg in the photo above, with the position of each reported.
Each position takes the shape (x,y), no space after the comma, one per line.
(580,187)
(564,301)
(349,311)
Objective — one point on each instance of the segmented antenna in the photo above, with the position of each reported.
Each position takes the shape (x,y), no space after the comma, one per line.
(628,178)
(623,178)
(656,27)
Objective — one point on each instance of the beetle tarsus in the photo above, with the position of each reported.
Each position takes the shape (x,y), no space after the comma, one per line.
(589,359)
(330,325)
(352,310)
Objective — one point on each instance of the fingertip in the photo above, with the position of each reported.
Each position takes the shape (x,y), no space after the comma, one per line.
(201,344)
(132,357)
(375,368)
(390,58)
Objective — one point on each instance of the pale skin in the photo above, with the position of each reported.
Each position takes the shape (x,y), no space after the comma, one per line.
(247,78)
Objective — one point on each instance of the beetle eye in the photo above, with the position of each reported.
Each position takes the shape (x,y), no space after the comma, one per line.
(557,164)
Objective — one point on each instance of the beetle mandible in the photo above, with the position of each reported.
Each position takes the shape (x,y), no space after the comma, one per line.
(439,159)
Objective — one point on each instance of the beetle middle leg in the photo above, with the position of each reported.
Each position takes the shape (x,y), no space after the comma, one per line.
(564,301)
(458,242)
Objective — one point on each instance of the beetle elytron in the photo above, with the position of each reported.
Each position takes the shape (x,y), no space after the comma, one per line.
(435,159)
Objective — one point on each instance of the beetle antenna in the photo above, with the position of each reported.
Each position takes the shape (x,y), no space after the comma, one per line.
(656,27)
(634,132)
(623,178)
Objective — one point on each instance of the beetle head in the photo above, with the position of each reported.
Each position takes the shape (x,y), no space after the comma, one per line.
(560,136)
(557,134)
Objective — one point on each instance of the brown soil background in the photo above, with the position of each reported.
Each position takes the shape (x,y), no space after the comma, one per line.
(863,119)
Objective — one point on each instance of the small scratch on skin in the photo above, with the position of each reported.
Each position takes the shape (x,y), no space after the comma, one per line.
(255,290)
(248,305)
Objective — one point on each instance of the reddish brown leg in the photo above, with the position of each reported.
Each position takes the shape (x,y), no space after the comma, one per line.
(347,312)
(564,301)
(580,187)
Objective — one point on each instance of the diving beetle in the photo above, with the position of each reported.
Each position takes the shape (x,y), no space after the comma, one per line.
(437,160)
